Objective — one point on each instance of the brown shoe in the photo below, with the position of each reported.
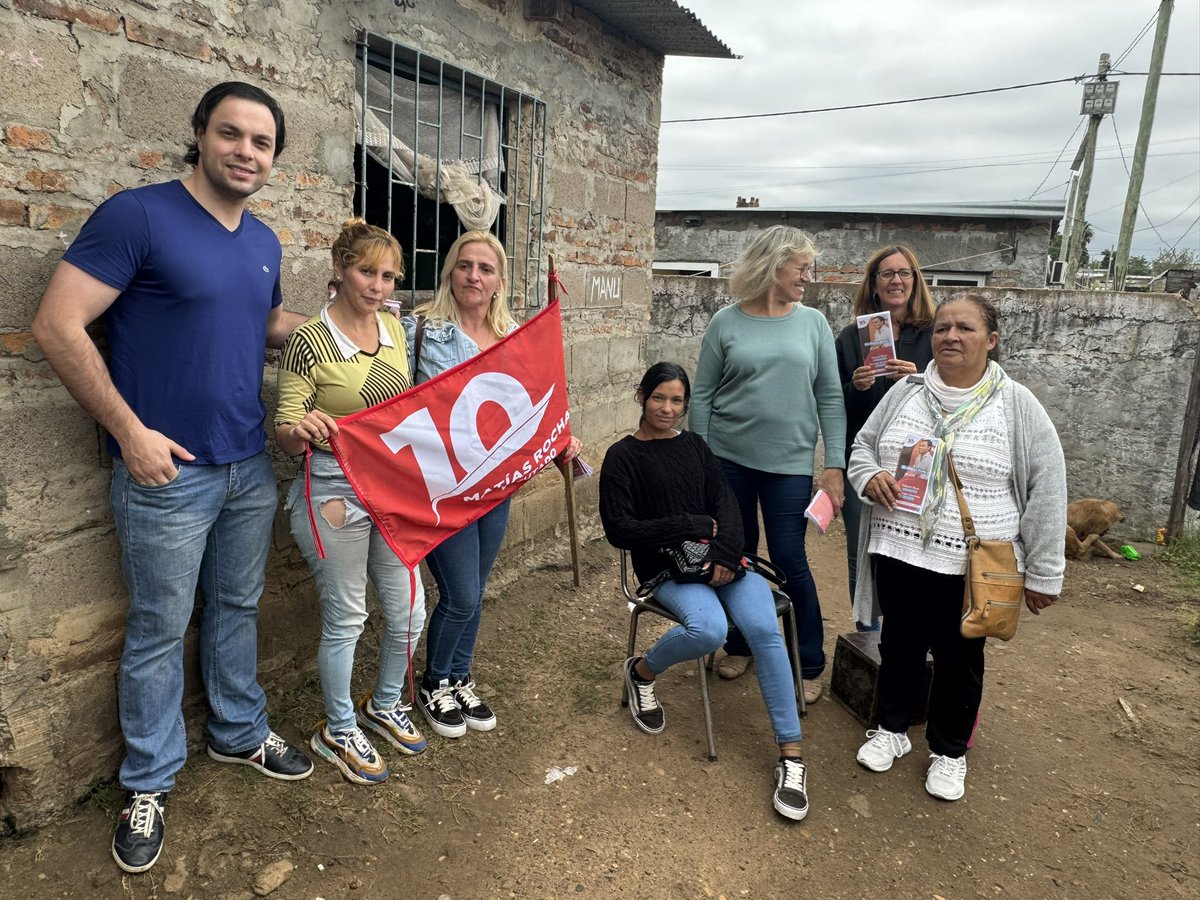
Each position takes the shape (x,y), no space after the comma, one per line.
(731,667)
(813,690)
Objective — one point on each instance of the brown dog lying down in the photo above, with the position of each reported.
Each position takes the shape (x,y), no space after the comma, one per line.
(1087,521)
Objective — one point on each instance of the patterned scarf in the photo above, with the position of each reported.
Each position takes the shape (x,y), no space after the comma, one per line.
(945,428)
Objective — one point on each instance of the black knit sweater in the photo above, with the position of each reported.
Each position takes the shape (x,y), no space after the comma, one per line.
(658,493)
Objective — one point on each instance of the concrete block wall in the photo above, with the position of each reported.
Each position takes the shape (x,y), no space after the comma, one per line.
(97,97)
(1112,370)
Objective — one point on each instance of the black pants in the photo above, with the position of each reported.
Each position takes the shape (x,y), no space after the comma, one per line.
(921,613)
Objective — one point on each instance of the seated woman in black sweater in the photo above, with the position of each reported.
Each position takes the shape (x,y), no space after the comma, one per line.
(658,488)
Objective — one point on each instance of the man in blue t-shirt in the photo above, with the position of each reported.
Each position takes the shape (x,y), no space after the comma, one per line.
(188,283)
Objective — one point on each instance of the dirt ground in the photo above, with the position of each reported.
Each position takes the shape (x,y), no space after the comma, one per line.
(1084,781)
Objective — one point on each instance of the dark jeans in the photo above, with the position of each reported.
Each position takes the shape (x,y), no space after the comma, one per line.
(921,613)
(783,499)
(461,565)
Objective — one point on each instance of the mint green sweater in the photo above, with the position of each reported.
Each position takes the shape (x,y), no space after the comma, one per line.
(763,385)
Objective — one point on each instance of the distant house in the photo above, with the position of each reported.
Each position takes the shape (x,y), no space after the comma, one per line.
(996,244)
(1172,281)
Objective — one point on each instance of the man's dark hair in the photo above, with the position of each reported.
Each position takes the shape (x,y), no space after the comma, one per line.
(233,89)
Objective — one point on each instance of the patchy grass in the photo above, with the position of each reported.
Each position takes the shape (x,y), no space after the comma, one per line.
(1183,554)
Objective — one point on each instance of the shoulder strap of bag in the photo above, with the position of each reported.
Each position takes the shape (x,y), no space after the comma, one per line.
(963,510)
(418,336)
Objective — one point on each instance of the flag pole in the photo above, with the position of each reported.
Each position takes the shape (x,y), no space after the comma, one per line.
(567,469)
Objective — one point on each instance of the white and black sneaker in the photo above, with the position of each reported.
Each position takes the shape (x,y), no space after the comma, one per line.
(791,788)
(139,837)
(477,715)
(647,714)
(440,709)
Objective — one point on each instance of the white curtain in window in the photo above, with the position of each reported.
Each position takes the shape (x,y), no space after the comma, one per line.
(458,163)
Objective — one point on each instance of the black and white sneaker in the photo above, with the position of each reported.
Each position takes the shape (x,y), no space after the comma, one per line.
(477,715)
(274,757)
(440,709)
(791,788)
(139,837)
(647,714)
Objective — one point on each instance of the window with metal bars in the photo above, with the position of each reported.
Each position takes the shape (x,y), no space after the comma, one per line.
(440,150)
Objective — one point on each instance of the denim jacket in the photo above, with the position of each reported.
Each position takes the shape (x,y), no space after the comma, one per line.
(442,347)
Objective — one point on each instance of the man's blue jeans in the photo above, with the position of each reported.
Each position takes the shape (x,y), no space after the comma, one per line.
(211,525)
(783,499)
(354,550)
(461,565)
(705,613)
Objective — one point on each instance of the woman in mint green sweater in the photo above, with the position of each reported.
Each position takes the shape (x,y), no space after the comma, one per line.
(767,377)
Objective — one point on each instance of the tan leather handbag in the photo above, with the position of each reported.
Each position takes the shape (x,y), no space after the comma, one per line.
(995,588)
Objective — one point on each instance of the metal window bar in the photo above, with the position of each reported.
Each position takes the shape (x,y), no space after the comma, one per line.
(520,159)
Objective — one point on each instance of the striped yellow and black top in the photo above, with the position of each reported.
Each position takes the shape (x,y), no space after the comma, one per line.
(322,369)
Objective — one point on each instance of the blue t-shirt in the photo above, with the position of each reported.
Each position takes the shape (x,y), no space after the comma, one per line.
(188,333)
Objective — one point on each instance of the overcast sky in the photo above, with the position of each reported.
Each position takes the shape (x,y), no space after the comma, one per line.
(999,146)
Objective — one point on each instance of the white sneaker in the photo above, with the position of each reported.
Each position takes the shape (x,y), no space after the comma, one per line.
(882,749)
(947,777)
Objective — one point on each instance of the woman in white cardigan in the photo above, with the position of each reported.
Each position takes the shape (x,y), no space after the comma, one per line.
(1010,461)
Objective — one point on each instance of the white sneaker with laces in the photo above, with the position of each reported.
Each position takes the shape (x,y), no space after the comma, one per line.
(882,749)
(477,715)
(947,777)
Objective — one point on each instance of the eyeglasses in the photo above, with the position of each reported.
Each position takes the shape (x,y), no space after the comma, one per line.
(889,274)
(805,270)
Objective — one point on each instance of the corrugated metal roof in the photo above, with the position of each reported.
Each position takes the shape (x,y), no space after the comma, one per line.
(661,25)
(1009,209)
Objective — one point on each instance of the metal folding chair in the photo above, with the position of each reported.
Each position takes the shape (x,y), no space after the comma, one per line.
(639,605)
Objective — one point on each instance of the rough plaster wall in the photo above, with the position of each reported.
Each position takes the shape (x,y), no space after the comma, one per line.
(1112,370)
(97,99)
(847,241)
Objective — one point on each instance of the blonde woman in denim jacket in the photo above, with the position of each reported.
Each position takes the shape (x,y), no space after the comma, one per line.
(468,314)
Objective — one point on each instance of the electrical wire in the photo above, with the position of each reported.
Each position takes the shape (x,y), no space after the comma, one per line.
(1050,172)
(1137,39)
(804,112)
(710,188)
(1113,119)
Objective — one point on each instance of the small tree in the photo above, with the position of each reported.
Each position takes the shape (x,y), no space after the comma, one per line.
(1178,258)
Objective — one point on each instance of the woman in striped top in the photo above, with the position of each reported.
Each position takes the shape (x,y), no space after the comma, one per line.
(351,355)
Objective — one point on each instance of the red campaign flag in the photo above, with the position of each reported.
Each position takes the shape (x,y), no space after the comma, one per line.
(439,456)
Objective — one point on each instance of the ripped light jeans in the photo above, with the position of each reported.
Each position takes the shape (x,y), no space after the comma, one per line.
(354,549)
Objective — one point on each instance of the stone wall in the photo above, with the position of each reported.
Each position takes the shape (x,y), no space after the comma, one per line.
(1009,252)
(97,97)
(1112,370)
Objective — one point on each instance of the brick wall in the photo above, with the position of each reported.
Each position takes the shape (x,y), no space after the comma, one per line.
(97,98)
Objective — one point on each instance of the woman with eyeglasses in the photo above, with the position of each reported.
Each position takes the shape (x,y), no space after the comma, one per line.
(893,282)
(767,376)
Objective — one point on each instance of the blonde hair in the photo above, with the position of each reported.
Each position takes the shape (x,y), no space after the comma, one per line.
(756,268)
(920,303)
(444,308)
(359,242)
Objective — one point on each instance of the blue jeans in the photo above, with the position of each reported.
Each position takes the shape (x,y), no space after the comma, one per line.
(783,499)
(461,565)
(851,517)
(354,549)
(704,613)
(211,525)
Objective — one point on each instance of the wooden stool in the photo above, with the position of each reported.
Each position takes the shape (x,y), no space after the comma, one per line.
(855,673)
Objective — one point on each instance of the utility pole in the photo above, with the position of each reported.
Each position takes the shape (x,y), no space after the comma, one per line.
(1134,195)
(1075,250)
